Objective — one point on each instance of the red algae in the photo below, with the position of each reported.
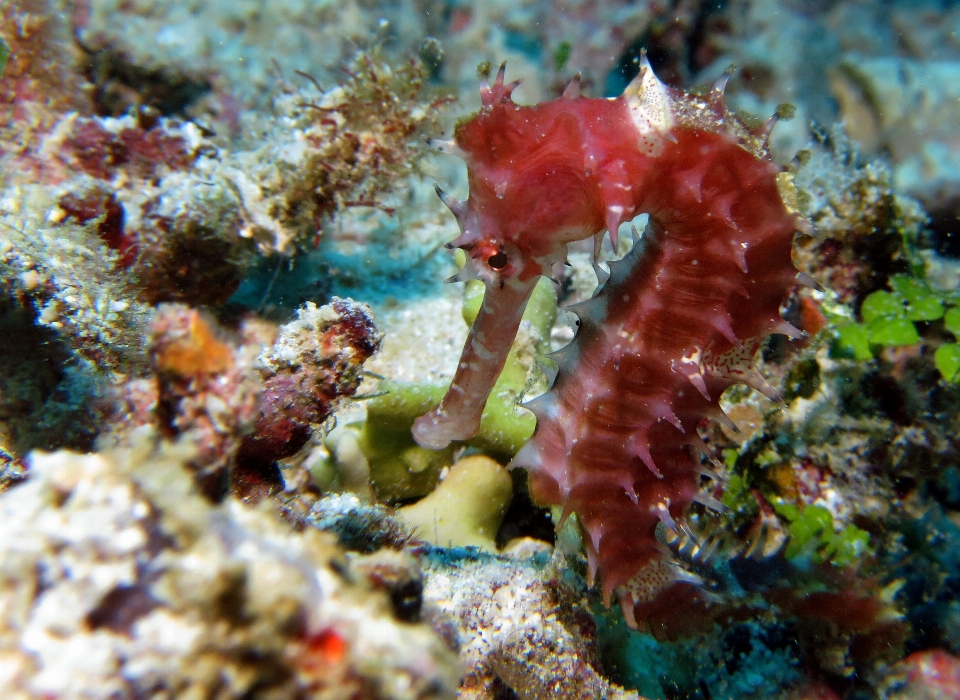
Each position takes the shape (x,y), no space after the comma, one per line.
(103,205)
(100,152)
(676,322)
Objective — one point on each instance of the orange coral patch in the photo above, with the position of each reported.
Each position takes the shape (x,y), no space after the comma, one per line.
(196,352)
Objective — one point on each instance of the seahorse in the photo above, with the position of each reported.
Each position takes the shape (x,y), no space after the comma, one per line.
(674,323)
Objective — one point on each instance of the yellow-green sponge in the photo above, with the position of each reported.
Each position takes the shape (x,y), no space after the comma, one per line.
(466,508)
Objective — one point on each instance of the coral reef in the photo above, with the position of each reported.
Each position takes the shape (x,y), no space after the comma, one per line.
(245,412)
(520,622)
(104,217)
(71,322)
(186,217)
(191,196)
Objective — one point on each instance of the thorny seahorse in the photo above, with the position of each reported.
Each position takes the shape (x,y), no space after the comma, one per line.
(677,322)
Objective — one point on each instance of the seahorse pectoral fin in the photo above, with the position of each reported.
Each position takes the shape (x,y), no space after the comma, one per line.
(448,147)
(807,281)
(484,354)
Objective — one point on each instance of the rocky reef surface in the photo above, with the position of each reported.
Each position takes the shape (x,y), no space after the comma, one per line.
(221,309)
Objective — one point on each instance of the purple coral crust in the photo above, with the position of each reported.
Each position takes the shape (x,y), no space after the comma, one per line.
(100,152)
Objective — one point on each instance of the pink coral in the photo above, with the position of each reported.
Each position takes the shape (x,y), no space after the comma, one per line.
(677,322)
(932,674)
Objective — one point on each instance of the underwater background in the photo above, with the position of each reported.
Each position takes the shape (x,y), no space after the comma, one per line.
(222,307)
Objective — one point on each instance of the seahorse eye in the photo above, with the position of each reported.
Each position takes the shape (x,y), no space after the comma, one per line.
(498,260)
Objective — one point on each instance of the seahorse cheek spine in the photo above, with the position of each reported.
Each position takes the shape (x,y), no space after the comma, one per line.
(677,322)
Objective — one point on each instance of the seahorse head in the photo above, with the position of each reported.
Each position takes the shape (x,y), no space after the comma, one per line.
(531,191)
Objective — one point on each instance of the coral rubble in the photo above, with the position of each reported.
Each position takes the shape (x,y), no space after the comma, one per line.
(244,412)
(519,624)
(316,360)
(118,580)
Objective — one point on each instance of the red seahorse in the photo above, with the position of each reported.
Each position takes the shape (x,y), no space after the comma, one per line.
(677,322)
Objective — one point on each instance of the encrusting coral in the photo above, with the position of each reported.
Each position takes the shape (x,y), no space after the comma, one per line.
(182,200)
(64,275)
(207,392)
(118,580)
(70,323)
(360,526)
(864,226)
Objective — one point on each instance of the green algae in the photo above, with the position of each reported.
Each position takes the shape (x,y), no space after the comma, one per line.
(812,532)
(890,318)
